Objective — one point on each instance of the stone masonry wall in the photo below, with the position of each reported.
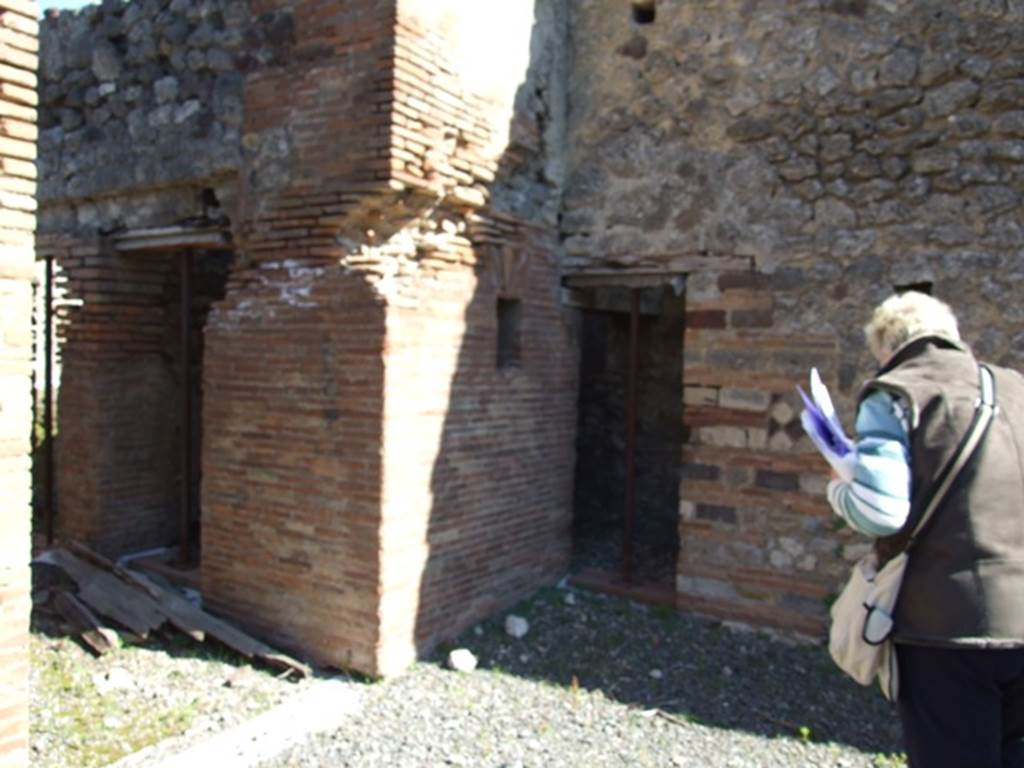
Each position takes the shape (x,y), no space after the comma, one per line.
(140,116)
(842,149)
(17,222)
(124,86)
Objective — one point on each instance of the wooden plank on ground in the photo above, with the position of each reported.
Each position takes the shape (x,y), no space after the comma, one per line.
(186,617)
(107,594)
(99,638)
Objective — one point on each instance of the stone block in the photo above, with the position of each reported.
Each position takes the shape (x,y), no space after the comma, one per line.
(743,399)
(723,437)
(814,483)
(700,396)
(714,589)
(777,481)
(782,413)
(738,476)
(780,440)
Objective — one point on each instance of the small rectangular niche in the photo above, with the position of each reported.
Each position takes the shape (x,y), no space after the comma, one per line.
(644,11)
(925,286)
(510,320)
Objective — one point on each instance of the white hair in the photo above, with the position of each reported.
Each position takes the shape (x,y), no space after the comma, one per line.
(906,316)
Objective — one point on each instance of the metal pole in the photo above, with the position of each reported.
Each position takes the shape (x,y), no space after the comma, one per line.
(48,402)
(631,375)
(186,407)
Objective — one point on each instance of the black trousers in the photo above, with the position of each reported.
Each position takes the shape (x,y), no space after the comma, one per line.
(962,708)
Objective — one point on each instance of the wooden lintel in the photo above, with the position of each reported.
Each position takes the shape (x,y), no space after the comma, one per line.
(676,265)
(619,280)
(170,239)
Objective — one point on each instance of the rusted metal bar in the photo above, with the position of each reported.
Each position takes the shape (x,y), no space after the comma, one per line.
(631,396)
(185,547)
(48,402)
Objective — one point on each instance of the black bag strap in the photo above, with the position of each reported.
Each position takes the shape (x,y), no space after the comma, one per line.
(984,411)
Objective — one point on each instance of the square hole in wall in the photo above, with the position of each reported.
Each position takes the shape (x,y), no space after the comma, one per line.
(644,11)
(924,286)
(510,320)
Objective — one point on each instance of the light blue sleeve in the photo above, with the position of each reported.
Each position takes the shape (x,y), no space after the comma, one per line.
(877,501)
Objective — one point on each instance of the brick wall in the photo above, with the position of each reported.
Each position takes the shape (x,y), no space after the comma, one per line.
(119,389)
(353,507)
(291,461)
(478,458)
(293,373)
(17,222)
(756,539)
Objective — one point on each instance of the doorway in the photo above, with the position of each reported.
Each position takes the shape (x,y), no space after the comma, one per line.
(629,436)
(195,265)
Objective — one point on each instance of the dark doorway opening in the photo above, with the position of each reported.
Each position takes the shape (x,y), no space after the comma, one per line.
(196,264)
(631,542)
(199,281)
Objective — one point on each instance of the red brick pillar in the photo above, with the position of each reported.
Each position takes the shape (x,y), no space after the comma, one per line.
(18,34)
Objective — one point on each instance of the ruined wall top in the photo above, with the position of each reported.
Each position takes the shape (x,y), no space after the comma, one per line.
(844,148)
(144,95)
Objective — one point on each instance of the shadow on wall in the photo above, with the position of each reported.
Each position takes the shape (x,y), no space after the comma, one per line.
(500,471)
(501,491)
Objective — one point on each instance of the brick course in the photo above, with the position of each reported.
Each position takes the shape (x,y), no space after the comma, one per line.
(17,222)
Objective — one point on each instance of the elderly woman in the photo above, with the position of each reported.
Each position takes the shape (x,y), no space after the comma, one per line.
(959,632)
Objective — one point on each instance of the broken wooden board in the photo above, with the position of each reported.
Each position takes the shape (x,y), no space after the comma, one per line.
(195,621)
(107,594)
(140,604)
(99,638)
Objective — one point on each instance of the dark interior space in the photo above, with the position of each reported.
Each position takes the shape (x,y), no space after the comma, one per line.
(601,484)
(197,280)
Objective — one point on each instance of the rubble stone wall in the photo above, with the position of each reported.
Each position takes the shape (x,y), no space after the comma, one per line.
(17,262)
(143,96)
(843,149)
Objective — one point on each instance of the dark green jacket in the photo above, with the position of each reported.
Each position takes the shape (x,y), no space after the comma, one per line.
(964,584)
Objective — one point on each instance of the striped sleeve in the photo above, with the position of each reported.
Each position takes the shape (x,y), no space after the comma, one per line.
(877,501)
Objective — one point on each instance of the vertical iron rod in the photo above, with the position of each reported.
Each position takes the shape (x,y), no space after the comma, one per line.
(48,401)
(631,376)
(186,407)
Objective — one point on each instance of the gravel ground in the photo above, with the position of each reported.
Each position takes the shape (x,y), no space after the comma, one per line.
(600,681)
(87,711)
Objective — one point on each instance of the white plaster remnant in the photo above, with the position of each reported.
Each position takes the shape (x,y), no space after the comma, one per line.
(302,277)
